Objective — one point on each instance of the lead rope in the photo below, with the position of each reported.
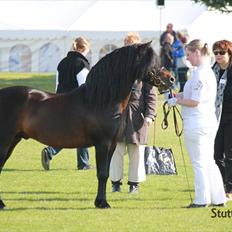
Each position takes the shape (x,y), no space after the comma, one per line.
(164,126)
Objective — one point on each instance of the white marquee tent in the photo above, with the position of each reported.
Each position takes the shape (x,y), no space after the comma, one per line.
(35,35)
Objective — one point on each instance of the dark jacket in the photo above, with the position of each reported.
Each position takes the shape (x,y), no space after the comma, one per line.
(68,68)
(162,37)
(166,56)
(142,104)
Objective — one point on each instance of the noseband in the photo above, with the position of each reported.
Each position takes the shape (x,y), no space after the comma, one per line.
(155,77)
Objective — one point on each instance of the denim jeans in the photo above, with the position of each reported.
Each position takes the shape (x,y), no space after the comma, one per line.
(82,156)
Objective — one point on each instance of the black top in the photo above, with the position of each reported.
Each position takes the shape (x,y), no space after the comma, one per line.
(227,99)
(68,68)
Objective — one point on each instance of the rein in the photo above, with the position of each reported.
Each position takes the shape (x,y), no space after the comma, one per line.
(166,111)
(164,126)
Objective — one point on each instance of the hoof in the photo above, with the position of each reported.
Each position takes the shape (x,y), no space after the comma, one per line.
(101,204)
(2,205)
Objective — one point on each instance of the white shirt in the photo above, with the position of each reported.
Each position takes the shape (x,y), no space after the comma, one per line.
(81,76)
(201,87)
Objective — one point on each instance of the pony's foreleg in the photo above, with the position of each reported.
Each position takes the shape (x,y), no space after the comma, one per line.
(104,154)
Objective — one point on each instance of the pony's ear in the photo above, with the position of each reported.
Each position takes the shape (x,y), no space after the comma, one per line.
(145,45)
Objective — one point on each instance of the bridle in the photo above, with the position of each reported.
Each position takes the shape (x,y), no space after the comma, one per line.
(154,76)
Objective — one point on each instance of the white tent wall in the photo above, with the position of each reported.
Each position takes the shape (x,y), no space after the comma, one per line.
(35,41)
(43,54)
(33,55)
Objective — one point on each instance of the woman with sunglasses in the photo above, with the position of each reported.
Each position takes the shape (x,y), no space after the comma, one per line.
(223,143)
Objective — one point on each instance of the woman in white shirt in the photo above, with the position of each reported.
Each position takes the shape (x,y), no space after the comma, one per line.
(200,126)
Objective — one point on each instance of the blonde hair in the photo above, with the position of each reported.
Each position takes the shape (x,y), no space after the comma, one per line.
(81,44)
(198,44)
(132,38)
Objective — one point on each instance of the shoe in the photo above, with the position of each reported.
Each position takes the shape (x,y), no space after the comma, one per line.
(219,205)
(116,186)
(229,196)
(193,205)
(134,189)
(45,158)
(87,167)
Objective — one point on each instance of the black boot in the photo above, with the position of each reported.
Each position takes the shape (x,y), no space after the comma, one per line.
(116,186)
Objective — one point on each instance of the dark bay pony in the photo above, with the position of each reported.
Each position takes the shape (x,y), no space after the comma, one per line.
(90,115)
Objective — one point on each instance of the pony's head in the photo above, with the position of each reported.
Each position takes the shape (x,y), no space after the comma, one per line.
(153,74)
(161,78)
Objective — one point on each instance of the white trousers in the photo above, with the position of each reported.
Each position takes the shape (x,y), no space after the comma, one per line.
(208,182)
(136,172)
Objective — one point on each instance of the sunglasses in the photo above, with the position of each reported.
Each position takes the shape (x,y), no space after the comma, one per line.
(222,53)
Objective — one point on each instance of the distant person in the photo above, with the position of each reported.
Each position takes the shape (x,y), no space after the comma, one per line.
(140,114)
(222,68)
(180,62)
(166,52)
(200,126)
(169,29)
(71,73)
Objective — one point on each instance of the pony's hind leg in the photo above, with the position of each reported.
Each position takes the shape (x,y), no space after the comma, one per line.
(15,141)
(2,161)
(5,152)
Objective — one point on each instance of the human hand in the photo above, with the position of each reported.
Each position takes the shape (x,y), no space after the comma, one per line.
(171,102)
(148,121)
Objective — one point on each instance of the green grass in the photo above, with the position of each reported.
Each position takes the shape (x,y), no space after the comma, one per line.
(62,199)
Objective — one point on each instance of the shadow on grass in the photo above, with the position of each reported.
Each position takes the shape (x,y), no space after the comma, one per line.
(45,209)
(38,170)
(87,208)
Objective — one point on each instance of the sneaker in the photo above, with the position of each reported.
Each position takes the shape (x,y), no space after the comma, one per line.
(116,186)
(193,205)
(134,189)
(45,159)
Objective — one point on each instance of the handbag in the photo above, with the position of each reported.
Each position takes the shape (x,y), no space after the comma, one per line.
(159,160)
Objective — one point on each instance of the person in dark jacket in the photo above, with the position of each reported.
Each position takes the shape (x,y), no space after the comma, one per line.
(222,68)
(169,29)
(71,73)
(166,53)
(140,113)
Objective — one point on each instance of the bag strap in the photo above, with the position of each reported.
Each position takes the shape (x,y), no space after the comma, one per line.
(154,132)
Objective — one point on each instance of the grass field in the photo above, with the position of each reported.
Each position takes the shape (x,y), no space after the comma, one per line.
(62,199)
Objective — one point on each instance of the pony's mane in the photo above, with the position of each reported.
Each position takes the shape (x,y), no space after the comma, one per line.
(110,80)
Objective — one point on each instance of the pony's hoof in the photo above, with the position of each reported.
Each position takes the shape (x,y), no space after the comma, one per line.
(101,204)
(2,205)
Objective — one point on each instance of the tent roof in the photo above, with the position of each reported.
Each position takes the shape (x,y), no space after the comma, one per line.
(52,19)
(211,26)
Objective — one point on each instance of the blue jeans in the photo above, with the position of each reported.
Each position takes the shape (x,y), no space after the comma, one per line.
(82,156)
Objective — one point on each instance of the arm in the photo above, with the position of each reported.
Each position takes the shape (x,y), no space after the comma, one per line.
(150,101)
(57,80)
(81,76)
(187,102)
